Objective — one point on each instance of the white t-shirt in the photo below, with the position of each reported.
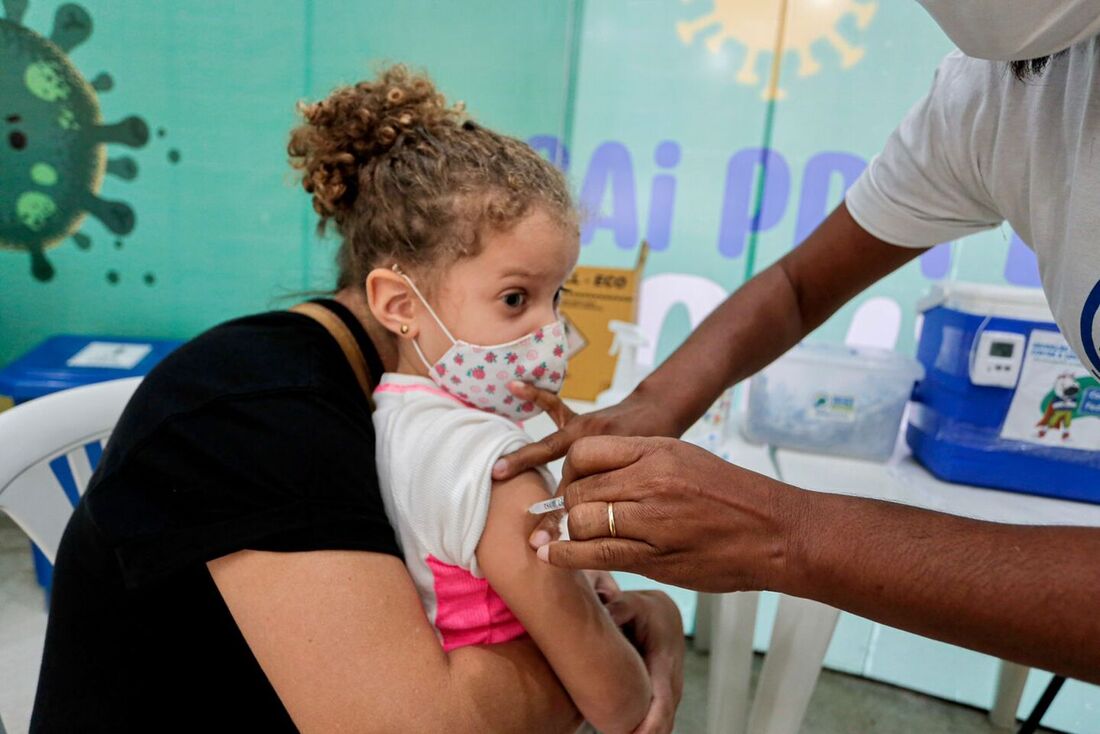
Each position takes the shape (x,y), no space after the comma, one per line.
(435,456)
(983,148)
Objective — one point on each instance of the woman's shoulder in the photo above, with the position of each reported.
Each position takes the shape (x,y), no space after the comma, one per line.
(259,354)
(277,358)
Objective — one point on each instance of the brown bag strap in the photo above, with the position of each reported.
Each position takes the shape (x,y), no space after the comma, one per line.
(343,336)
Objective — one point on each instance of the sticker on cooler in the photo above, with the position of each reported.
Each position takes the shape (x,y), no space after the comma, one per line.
(112,355)
(1057,400)
(831,407)
(1090,403)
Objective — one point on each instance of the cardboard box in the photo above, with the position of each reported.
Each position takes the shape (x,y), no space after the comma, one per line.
(595,296)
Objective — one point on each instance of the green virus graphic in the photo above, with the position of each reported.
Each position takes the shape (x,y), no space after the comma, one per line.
(52,141)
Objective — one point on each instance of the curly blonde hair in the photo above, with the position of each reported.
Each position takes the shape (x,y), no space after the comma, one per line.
(408,179)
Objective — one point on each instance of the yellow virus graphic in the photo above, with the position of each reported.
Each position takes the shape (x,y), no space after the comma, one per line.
(755,25)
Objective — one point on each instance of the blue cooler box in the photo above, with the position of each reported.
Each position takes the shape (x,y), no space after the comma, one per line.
(67,361)
(1005,402)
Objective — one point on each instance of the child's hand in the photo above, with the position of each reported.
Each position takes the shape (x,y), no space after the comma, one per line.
(604,585)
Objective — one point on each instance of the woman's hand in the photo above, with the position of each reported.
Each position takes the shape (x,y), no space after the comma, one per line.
(682,515)
(653,622)
(634,416)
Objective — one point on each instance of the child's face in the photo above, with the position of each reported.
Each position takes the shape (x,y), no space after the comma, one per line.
(508,290)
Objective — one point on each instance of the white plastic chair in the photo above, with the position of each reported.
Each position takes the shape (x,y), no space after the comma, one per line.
(36,433)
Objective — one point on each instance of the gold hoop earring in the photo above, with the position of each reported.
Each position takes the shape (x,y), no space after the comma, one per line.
(404,328)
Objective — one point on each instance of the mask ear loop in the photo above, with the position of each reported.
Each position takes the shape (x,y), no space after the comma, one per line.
(397,269)
(423,359)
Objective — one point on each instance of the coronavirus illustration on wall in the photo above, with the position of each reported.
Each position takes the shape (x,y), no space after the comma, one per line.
(52,140)
(754,24)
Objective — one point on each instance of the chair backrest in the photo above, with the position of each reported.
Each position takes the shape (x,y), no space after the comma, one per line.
(36,434)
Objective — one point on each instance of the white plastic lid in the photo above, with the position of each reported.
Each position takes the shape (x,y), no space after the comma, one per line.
(839,355)
(1002,301)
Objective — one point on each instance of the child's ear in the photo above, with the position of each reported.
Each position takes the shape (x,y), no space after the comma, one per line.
(391,301)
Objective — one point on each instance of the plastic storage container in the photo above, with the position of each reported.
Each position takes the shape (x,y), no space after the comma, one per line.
(832,399)
(1006,403)
(67,361)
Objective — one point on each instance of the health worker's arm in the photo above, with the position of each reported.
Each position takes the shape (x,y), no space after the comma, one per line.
(344,640)
(598,666)
(685,517)
(763,319)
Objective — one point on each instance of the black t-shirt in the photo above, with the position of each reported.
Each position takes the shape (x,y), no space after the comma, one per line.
(255,435)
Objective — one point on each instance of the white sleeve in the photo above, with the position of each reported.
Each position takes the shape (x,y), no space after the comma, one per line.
(446,497)
(925,187)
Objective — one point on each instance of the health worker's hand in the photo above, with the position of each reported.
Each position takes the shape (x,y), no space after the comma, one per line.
(634,416)
(682,515)
(652,621)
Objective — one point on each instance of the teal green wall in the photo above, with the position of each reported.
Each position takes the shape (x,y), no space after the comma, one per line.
(225,231)
(640,84)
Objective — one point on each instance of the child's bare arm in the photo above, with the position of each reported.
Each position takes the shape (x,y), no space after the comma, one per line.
(597,665)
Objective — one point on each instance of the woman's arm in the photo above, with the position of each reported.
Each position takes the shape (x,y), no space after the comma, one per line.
(343,639)
(597,665)
(763,319)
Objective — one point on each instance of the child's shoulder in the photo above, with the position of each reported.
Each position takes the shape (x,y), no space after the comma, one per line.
(435,456)
(407,403)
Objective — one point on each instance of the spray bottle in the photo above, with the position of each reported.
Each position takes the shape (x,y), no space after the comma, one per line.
(628,373)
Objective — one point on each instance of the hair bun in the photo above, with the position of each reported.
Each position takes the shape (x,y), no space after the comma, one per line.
(357,123)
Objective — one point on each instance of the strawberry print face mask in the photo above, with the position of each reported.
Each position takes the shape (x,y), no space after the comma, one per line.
(479,375)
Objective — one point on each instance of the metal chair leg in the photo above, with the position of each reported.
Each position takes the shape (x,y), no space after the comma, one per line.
(1037,713)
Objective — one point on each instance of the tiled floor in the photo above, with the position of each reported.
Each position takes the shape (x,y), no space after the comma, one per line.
(845,704)
(841,704)
(22,628)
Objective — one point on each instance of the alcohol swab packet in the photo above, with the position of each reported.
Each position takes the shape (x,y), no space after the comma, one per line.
(541,508)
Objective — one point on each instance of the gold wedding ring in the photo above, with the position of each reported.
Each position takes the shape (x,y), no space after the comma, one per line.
(611,519)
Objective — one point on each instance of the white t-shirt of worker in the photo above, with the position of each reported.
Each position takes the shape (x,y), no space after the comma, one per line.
(983,147)
(434,456)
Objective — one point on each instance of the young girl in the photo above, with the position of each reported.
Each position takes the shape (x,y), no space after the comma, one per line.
(471,235)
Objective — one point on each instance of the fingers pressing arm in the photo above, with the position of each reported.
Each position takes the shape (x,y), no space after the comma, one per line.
(681,515)
(635,416)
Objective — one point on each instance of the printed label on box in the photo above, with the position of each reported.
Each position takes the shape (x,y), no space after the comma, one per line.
(840,408)
(112,355)
(1057,401)
(594,297)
